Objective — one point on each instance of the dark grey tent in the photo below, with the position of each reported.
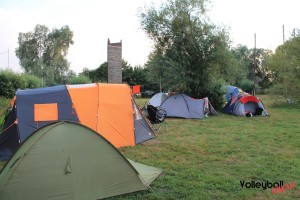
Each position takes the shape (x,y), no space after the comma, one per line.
(65,160)
(157,99)
(183,106)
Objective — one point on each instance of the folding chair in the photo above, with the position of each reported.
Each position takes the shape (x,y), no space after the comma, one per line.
(156,116)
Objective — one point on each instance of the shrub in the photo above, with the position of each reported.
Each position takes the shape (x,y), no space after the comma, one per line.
(31,81)
(10,82)
(246,85)
(215,94)
(81,79)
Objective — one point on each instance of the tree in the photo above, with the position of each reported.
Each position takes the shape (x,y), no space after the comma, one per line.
(43,53)
(31,48)
(137,75)
(189,51)
(97,75)
(262,73)
(244,63)
(285,64)
(243,73)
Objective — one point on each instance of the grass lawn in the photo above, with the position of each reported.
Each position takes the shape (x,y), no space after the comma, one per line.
(207,159)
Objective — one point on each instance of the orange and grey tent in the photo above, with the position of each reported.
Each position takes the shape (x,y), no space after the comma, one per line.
(109,109)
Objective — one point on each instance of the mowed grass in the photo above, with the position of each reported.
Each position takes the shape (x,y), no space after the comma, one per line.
(207,159)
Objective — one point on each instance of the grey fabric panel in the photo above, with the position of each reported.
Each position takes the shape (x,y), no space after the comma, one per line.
(175,106)
(212,110)
(142,131)
(250,107)
(264,113)
(239,109)
(157,99)
(196,108)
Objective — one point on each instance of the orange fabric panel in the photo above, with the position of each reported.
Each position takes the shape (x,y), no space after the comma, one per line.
(45,112)
(136,89)
(85,101)
(116,121)
(12,102)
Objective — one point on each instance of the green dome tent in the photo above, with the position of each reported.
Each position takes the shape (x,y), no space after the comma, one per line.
(66,160)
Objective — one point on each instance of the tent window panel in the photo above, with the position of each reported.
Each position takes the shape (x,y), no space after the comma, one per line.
(45,112)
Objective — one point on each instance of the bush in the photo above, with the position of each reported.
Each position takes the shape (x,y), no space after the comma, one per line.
(215,94)
(31,81)
(10,82)
(246,85)
(81,79)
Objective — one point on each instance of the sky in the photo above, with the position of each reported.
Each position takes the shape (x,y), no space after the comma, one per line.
(94,21)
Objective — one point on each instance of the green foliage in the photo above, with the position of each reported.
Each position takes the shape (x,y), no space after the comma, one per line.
(243,65)
(43,53)
(243,68)
(97,75)
(127,73)
(285,64)
(31,81)
(10,82)
(263,74)
(215,92)
(190,52)
(246,85)
(81,79)
(130,75)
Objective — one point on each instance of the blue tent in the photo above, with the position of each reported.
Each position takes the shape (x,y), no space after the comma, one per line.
(232,91)
(22,123)
(243,104)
